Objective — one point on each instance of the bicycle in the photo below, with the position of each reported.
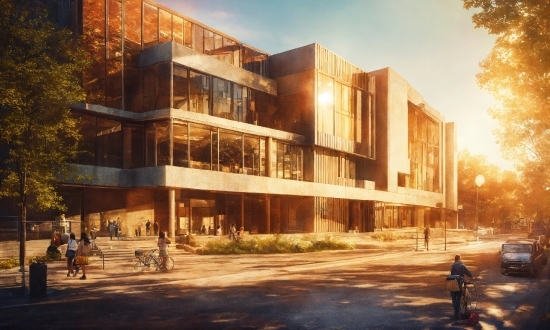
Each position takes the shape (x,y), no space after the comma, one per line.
(468,299)
(151,259)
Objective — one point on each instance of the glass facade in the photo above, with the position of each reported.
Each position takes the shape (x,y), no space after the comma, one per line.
(120,144)
(424,138)
(115,31)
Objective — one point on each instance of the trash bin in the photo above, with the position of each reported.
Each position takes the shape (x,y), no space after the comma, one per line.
(38,272)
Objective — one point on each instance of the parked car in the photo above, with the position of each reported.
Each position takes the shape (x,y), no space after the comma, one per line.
(522,256)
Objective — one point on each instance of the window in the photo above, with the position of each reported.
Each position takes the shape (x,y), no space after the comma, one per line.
(199,96)
(109,143)
(181,144)
(230,152)
(200,147)
(221,100)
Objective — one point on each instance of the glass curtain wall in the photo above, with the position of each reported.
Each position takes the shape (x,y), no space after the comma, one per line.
(289,162)
(109,143)
(157,143)
(424,137)
(333,167)
(134,145)
(115,32)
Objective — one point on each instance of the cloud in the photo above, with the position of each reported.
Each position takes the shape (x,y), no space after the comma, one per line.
(220,14)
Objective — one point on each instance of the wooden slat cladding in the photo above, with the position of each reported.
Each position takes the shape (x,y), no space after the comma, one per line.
(331,215)
(335,66)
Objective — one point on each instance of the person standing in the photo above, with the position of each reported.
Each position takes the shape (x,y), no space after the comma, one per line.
(232,232)
(460,269)
(162,243)
(426,238)
(156,228)
(111,229)
(71,253)
(84,248)
(139,229)
(148,228)
(219,231)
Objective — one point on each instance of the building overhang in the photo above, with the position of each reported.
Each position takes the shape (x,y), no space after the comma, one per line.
(173,52)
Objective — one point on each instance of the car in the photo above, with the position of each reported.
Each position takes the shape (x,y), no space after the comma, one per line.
(522,256)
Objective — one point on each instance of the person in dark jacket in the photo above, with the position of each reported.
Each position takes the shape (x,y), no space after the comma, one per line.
(460,269)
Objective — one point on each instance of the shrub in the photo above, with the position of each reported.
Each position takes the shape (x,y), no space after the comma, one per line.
(387,236)
(274,244)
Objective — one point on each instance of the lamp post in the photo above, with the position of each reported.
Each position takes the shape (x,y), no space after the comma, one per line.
(480,180)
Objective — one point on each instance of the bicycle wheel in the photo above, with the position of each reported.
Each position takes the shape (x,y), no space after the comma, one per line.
(169,263)
(139,265)
(464,301)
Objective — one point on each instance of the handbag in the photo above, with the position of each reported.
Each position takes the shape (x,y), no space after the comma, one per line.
(453,283)
(81,260)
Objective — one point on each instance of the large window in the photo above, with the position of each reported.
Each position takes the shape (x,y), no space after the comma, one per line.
(181,88)
(289,161)
(221,100)
(200,146)
(424,137)
(134,145)
(199,92)
(157,142)
(109,143)
(181,144)
(230,152)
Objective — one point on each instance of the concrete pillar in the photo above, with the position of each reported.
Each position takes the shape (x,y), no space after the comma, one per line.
(242,213)
(267,214)
(171,212)
(268,157)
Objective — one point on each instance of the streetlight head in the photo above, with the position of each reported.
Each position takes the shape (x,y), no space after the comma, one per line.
(480,180)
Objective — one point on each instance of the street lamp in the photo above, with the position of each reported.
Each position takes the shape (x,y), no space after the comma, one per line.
(480,180)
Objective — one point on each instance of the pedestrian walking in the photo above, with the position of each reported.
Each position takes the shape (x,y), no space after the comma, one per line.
(71,254)
(82,252)
(162,243)
(458,268)
(426,238)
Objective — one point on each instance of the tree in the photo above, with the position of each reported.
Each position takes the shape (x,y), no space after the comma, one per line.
(517,73)
(497,196)
(40,66)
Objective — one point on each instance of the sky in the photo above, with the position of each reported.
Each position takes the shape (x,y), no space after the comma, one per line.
(433,44)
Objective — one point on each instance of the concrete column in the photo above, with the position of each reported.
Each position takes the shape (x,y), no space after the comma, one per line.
(267,215)
(171,212)
(268,158)
(242,213)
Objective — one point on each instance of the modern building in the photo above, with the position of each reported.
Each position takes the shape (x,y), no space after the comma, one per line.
(186,126)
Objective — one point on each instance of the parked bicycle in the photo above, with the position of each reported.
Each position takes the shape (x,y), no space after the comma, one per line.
(151,259)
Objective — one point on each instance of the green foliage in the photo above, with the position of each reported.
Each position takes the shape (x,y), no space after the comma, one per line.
(516,72)
(40,67)
(496,200)
(11,263)
(387,236)
(274,244)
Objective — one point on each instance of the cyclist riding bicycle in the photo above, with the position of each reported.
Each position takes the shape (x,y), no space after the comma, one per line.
(458,268)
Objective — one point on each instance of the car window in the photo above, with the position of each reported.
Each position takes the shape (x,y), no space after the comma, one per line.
(516,248)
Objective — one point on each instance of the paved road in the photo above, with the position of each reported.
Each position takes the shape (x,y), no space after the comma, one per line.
(377,287)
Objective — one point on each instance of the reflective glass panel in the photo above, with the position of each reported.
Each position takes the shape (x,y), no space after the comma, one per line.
(87,128)
(230,152)
(238,102)
(198,36)
(134,145)
(199,92)
(157,137)
(221,100)
(181,88)
(208,42)
(177,29)
(165,24)
(187,34)
(200,147)
(251,155)
(150,25)
(109,143)
(181,144)
(93,78)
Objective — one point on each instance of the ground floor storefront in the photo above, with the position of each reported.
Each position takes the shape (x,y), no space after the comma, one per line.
(187,211)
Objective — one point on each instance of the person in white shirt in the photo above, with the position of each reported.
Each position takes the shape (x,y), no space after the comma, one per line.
(71,253)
